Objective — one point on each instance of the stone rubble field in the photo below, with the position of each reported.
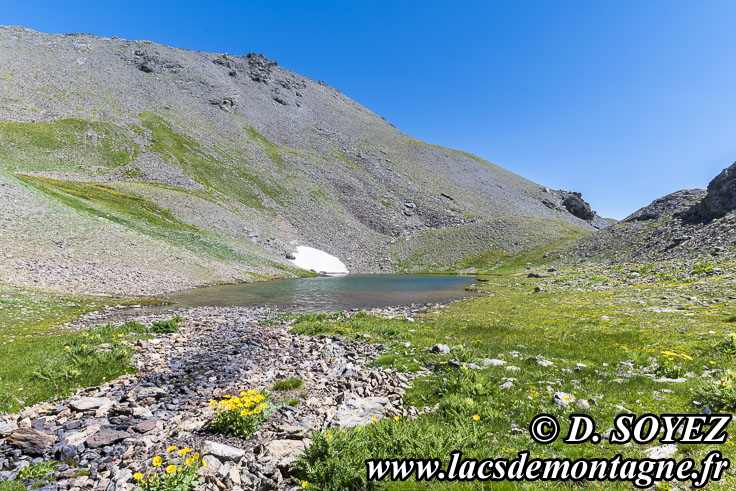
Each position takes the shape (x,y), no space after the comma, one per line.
(113,431)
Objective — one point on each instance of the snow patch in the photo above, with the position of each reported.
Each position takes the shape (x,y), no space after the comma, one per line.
(318,261)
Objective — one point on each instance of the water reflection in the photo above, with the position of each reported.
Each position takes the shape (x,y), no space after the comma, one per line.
(332,293)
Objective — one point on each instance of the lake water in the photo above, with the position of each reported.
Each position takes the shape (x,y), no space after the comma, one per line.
(323,294)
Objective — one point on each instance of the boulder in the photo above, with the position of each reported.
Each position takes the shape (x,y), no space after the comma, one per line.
(154,392)
(493,362)
(284,452)
(145,426)
(106,437)
(440,349)
(662,452)
(32,442)
(90,403)
(358,412)
(222,452)
(7,428)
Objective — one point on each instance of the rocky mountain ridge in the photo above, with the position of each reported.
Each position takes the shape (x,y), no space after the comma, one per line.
(682,225)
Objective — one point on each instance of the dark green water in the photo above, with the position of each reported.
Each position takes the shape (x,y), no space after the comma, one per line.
(331,293)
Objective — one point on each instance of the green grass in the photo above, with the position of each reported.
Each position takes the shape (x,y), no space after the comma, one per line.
(134,212)
(166,327)
(13,485)
(28,339)
(272,150)
(73,144)
(36,474)
(288,384)
(44,367)
(501,262)
(453,249)
(228,175)
(590,332)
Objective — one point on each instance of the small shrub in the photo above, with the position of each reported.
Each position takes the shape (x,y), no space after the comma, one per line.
(668,369)
(293,402)
(728,345)
(336,457)
(12,486)
(242,415)
(177,471)
(720,394)
(288,384)
(731,318)
(166,327)
(38,471)
(81,359)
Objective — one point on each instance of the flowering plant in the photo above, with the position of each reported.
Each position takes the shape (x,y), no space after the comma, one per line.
(178,472)
(241,415)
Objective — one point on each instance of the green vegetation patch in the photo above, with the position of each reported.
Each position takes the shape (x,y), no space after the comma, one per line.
(134,212)
(73,145)
(41,368)
(229,175)
(287,384)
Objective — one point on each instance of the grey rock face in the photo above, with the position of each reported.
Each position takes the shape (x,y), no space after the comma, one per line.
(576,205)
(720,198)
(680,225)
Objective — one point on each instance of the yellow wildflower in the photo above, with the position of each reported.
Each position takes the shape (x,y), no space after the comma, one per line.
(170,469)
(137,476)
(171,448)
(305,485)
(476,417)
(157,461)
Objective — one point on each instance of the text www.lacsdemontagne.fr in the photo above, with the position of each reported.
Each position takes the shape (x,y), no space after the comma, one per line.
(640,472)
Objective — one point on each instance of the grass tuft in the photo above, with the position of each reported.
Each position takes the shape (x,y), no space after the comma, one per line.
(288,384)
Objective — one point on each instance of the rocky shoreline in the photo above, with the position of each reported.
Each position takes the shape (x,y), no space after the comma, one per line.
(104,435)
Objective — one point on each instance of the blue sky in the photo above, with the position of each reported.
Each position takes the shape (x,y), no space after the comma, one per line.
(624,101)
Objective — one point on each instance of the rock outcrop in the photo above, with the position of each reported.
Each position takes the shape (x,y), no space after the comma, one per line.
(673,203)
(720,198)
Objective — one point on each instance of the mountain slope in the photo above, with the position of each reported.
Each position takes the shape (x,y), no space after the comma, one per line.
(135,167)
(683,225)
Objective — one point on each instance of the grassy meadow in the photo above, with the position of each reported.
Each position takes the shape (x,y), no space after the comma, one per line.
(41,361)
(608,332)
